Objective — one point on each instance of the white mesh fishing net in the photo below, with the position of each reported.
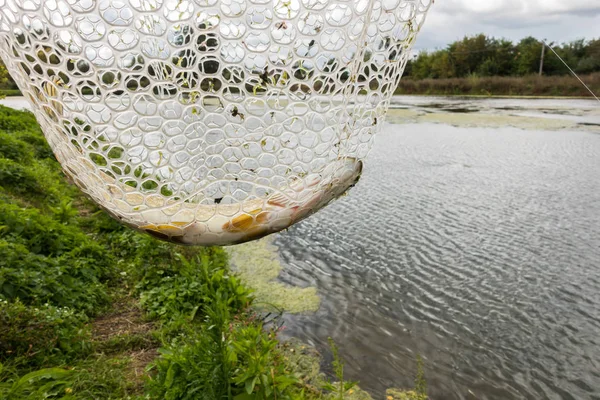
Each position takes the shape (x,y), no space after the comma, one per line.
(209,121)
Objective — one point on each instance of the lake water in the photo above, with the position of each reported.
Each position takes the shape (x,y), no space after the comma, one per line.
(476,247)
(472,239)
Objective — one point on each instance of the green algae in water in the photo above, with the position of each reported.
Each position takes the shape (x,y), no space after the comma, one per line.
(487,119)
(258,265)
(397,394)
(305,362)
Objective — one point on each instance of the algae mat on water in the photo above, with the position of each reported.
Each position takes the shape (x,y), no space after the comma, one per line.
(258,265)
(523,119)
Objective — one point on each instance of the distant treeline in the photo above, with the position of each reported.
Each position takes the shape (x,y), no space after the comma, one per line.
(484,56)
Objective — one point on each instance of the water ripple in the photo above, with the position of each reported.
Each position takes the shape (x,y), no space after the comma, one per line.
(477,248)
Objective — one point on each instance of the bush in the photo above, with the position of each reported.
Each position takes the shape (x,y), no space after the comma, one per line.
(27,166)
(40,233)
(48,383)
(93,378)
(188,371)
(171,293)
(18,178)
(238,360)
(214,348)
(41,333)
(11,92)
(14,149)
(50,235)
(17,121)
(68,281)
(39,146)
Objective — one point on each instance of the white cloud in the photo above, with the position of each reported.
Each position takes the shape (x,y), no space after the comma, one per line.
(556,20)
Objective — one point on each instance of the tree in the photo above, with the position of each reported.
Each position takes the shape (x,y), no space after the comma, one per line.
(505,54)
(590,61)
(469,53)
(421,66)
(528,53)
(442,66)
(5,78)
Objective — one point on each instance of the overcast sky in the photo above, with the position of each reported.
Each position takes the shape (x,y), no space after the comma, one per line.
(556,20)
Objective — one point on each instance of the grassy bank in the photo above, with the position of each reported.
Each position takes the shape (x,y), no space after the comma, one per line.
(10,93)
(532,85)
(92,310)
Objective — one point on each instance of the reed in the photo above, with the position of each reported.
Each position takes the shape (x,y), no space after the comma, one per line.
(531,85)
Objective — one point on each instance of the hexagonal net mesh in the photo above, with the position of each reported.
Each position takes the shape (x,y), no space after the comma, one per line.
(209,121)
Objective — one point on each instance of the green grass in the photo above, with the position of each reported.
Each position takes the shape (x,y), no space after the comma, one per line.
(97,377)
(127,343)
(10,92)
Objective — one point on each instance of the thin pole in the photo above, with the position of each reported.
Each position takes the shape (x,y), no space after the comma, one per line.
(542,59)
(573,72)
